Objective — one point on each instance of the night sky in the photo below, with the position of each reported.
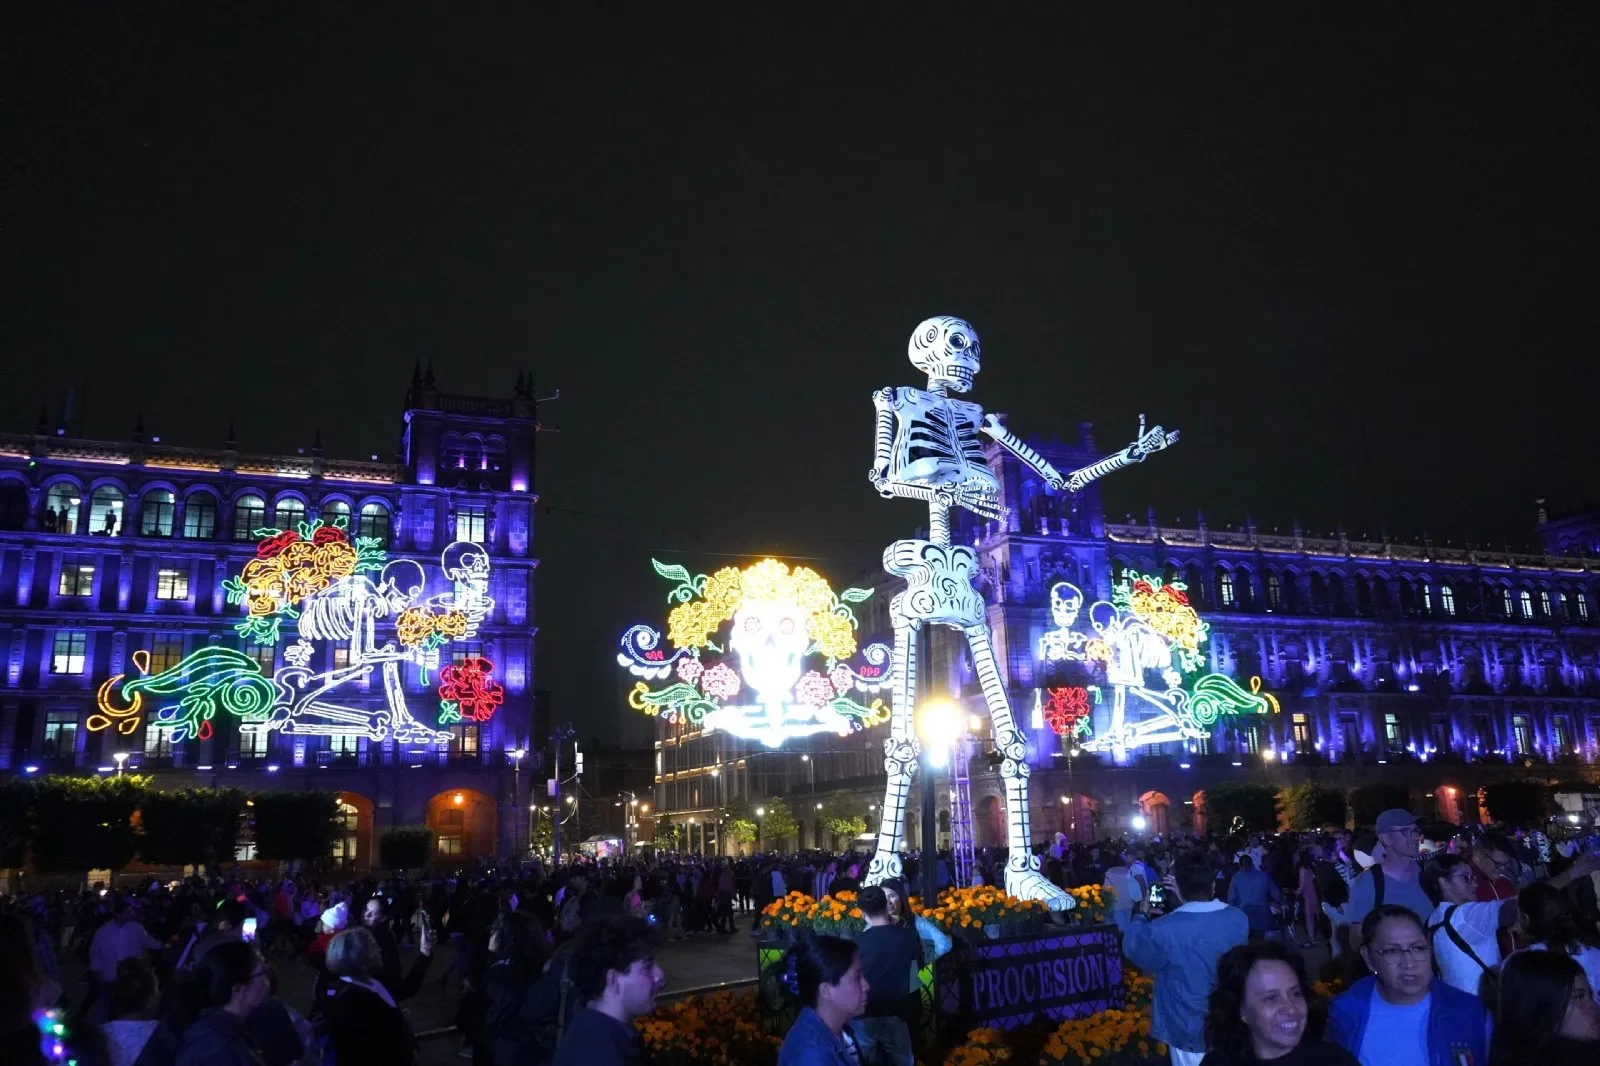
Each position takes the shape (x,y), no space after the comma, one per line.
(1354,260)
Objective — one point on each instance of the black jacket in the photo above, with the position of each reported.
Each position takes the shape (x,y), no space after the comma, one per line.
(512,1033)
(217,1038)
(365,1031)
(400,987)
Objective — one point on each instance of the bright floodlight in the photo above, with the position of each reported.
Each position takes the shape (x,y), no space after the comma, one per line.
(1139,823)
(939,723)
(761,812)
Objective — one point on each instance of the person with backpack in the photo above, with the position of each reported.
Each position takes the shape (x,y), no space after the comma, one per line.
(1395,878)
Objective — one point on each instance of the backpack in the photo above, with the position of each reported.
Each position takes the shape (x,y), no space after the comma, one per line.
(1331,888)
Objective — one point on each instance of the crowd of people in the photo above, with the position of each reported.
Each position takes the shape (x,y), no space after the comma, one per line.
(1461,948)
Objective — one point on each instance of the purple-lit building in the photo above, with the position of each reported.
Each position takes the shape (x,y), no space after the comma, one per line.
(111,547)
(1439,665)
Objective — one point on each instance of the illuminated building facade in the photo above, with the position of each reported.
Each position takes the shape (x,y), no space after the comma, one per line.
(1441,666)
(230,619)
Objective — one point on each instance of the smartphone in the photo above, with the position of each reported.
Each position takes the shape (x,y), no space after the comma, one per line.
(1158,895)
(248,930)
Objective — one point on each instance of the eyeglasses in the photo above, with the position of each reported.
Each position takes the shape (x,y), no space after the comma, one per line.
(258,973)
(1417,952)
(1406,831)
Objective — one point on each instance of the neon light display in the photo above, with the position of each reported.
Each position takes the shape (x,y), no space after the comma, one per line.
(1147,644)
(781,618)
(316,577)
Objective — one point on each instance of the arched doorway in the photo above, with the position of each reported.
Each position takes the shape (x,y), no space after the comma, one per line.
(989,823)
(463,822)
(1447,801)
(1154,806)
(1199,802)
(352,838)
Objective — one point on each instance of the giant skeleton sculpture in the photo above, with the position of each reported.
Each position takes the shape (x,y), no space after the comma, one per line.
(927,447)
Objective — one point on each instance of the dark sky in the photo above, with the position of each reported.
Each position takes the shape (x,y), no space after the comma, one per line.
(1273,228)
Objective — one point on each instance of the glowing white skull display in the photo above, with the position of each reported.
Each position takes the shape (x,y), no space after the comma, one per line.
(770,639)
(1065,602)
(945,349)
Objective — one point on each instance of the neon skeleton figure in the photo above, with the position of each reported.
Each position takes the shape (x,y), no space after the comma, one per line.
(927,447)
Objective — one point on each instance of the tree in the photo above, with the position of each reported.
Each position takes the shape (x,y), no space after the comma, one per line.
(16,823)
(541,834)
(739,820)
(1312,805)
(1231,806)
(86,823)
(1369,801)
(844,815)
(295,825)
(667,832)
(1520,803)
(405,847)
(190,827)
(777,823)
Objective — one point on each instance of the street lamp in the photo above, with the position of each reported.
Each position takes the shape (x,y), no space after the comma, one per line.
(516,797)
(121,758)
(939,723)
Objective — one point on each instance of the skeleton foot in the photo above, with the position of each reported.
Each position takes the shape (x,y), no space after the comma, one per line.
(885,864)
(1031,884)
(414,732)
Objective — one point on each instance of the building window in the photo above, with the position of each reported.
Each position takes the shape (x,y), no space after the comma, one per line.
(1427,598)
(172,584)
(1250,739)
(1507,607)
(344,840)
(1561,736)
(463,650)
(157,513)
(61,509)
(1391,731)
(1201,745)
(374,522)
(249,515)
(68,652)
(344,746)
(265,656)
(1447,599)
(200,517)
(60,733)
(253,745)
(1526,599)
(166,651)
(1544,603)
(464,741)
(1522,734)
(1225,588)
(289,513)
(77,579)
(452,831)
(1274,591)
(157,741)
(1440,732)
(105,512)
(333,510)
(1302,731)
(470,524)
(341,658)
(1583,607)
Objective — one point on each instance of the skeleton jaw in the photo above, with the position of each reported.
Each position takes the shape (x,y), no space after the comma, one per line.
(950,379)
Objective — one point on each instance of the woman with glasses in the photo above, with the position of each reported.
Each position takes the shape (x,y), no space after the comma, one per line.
(1402,1015)
(232,978)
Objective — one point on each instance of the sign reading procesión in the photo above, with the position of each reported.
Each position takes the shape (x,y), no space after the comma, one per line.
(1006,983)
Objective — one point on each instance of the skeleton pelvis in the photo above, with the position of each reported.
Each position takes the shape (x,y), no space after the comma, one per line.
(938,583)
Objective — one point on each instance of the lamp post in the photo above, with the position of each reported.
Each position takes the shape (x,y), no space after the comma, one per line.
(761,812)
(939,722)
(121,758)
(516,799)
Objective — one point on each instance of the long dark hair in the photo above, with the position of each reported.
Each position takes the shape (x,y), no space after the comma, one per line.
(897,885)
(1226,1033)
(1551,921)
(816,961)
(521,942)
(1535,992)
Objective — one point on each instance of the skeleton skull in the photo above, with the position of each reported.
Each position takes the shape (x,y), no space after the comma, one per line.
(946,349)
(1065,601)
(770,639)
(465,561)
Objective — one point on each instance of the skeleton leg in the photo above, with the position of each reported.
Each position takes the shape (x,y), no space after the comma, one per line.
(900,751)
(1023,878)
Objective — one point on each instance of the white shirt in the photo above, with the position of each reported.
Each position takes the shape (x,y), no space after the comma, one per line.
(1478,924)
(1587,957)
(115,941)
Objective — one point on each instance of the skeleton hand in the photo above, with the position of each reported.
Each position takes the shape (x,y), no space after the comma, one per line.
(1153,441)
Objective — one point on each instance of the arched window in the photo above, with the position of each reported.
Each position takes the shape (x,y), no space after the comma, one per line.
(1363,596)
(344,840)
(1425,598)
(1337,602)
(61,509)
(249,515)
(1544,603)
(105,512)
(334,510)
(14,505)
(1507,607)
(1447,600)
(200,517)
(1225,588)
(1526,599)
(289,513)
(1319,594)
(156,513)
(1583,606)
(374,522)
(1274,591)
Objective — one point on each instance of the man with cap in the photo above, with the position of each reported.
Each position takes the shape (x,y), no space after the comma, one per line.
(1394,878)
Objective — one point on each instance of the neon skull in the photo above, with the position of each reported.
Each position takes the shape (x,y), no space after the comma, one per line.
(770,639)
(1065,602)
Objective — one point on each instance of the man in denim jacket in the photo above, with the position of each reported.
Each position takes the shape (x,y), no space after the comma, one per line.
(1181,949)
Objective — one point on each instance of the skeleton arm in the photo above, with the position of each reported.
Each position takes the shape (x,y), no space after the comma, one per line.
(1016,446)
(1153,441)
